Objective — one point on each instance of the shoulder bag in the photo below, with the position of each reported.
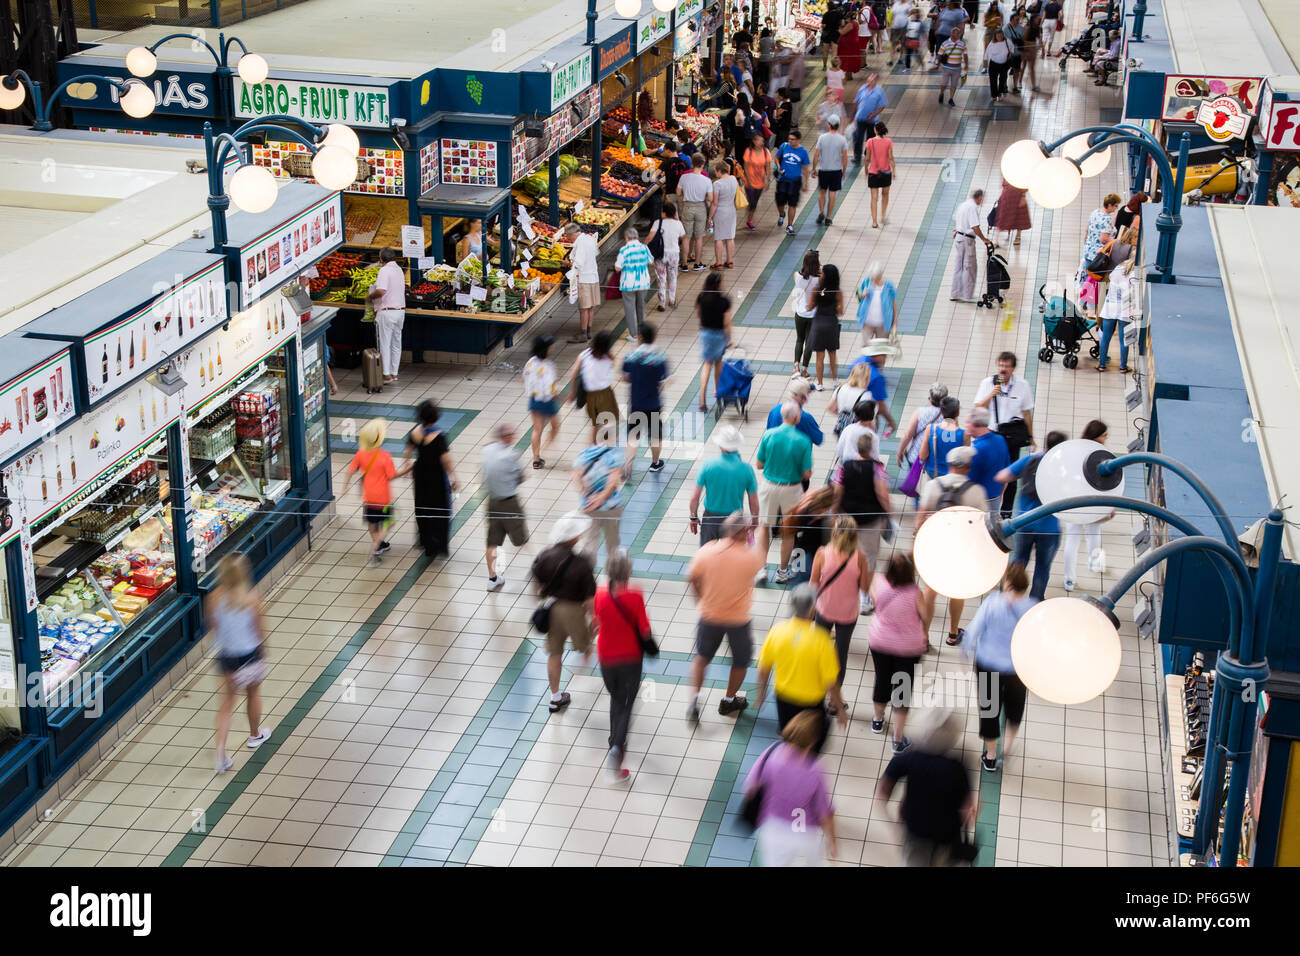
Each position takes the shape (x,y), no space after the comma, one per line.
(656,242)
(752,805)
(649,645)
(542,614)
(1099,266)
(741,200)
(580,389)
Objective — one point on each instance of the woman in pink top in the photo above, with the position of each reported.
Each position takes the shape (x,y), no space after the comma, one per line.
(839,572)
(880,173)
(899,636)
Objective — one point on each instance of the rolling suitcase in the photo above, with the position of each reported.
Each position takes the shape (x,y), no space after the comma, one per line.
(372,371)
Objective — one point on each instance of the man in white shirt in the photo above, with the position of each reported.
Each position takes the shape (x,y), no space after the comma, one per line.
(1010,402)
(388,297)
(696,190)
(966,227)
(583,257)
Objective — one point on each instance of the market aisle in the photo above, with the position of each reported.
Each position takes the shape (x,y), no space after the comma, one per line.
(408,704)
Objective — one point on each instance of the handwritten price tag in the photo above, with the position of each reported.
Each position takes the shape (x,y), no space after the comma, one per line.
(478,293)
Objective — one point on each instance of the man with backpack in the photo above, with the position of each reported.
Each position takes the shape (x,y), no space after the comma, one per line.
(1044,535)
(947,491)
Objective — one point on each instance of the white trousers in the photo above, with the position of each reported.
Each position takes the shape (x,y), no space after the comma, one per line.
(1072,534)
(388,336)
(966,269)
(779,844)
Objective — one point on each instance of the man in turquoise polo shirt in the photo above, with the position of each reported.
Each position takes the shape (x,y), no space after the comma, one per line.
(725,482)
(785,457)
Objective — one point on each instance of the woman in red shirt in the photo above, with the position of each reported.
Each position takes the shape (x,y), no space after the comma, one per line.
(621,622)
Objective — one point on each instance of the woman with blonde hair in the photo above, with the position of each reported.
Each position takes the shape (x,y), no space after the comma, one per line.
(233,612)
(847,395)
(377,472)
(839,572)
(877,303)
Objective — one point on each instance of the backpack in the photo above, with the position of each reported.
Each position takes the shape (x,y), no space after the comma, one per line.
(753,125)
(951,497)
(1029,478)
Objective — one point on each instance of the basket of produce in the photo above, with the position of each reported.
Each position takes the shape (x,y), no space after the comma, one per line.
(620,189)
(334,268)
(362,279)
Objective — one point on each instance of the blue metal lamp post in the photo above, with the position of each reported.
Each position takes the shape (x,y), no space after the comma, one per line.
(1023,165)
(1241,670)
(1139,18)
(142,61)
(136,98)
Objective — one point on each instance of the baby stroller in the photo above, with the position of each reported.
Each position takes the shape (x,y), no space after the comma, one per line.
(734,382)
(1064,328)
(996,277)
(1090,43)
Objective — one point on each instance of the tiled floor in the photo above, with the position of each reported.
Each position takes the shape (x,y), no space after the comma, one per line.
(408,703)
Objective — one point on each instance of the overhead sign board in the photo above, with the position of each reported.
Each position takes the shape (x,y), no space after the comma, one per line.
(614,52)
(365,107)
(1183,94)
(1222,118)
(569,80)
(650,29)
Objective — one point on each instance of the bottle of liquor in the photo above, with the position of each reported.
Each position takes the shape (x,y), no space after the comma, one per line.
(268,321)
(119,355)
(144,346)
(211,369)
(154,407)
(219,371)
(58,470)
(106,363)
(139,392)
(203,376)
(130,361)
(72,450)
(45,488)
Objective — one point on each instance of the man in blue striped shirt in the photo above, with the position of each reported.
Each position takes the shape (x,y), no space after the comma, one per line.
(633,265)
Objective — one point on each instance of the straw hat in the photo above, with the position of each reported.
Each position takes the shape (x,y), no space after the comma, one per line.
(570,527)
(728,438)
(372,434)
(881,347)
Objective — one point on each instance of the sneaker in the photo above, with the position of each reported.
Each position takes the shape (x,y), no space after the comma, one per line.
(1097,561)
(820,219)
(733,706)
(950,102)
(701,267)
(685,267)
(989,763)
(877,726)
(374,561)
(630,337)
(817,386)
(578,337)
(904,70)
(941,98)
(384,548)
(784,575)
(657,465)
(901,745)
(954,640)
(789,230)
(496,583)
(1069,584)
(222,764)
(780,221)
(761,577)
(829,221)
(615,763)
(693,711)
(263,735)
(558,705)
(866,605)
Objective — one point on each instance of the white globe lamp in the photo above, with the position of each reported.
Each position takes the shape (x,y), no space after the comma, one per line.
(138,100)
(1066,650)
(252,188)
(1019,160)
(334,167)
(141,61)
(11,99)
(1096,163)
(627,8)
(665,6)
(1072,469)
(956,556)
(1055,183)
(336,134)
(252,68)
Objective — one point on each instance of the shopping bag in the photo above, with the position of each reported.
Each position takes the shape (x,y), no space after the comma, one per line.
(742,201)
(572,276)
(910,484)
(1008,322)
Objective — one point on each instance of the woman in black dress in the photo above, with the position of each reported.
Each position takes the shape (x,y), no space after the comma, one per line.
(434,479)
(827,305)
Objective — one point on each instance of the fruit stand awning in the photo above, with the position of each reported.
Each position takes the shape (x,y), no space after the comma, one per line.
(474,202)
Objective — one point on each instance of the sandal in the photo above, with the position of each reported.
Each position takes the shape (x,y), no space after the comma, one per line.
(716,265)
(539,463)
(558,705)
(730,264)
(1123,368)
(953,640)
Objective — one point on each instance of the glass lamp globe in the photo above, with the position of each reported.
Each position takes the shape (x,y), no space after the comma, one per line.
(141,61)
(336,134)
(11,99)
(665,6)
(252,188)
(252,68)
(1071,469)
(955,554)
(1066,651)
(334,167)
(627,8)
(1096,163)
(1019,160)
(138,100)
(1055,183)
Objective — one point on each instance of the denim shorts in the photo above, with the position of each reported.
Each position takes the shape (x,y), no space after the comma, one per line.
(548,407)
(713,342)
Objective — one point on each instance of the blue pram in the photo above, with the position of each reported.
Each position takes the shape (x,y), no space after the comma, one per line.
(1064,329)
(734,382)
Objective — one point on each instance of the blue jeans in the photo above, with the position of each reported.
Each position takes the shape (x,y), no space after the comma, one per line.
(1107,330)
(1045,544)
(863,131)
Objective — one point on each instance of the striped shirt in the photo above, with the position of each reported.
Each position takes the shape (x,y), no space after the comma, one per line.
(952,54)
(633,265)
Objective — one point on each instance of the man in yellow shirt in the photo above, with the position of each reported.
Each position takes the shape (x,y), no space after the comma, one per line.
(806,664)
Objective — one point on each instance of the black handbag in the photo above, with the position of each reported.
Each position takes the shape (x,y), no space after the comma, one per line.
(656,243)
(579,389)
(752,805)
(965,849)
(541,616)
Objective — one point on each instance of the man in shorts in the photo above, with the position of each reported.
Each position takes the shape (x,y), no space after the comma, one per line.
(502,476)
(953,62)
(568,576)
(721,576)
(785,459)
(695,189)
(792,166)
(645,370)
(830,157)
(584,258)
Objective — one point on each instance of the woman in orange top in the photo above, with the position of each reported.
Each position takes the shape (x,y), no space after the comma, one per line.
(377,471)
(757,164)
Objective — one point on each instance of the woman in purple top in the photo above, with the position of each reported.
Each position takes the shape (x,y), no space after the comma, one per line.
(898,638)
(795,821)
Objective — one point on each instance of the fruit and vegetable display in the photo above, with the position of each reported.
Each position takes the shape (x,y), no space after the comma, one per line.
(620,187)
(620,154)
(538,182)
(470,272)
(337,265)
(362,279)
